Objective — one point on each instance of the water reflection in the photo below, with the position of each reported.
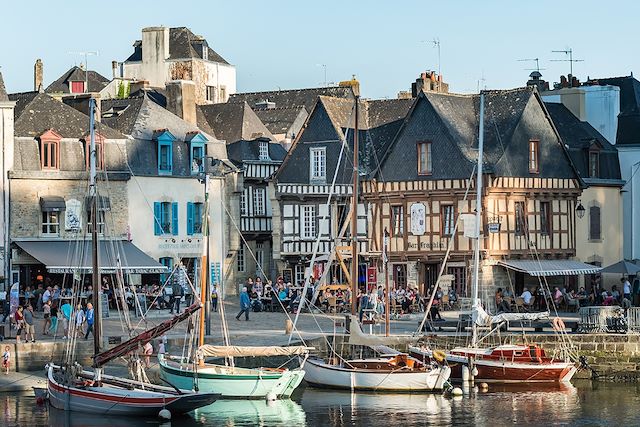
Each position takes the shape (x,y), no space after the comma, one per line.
(235,413)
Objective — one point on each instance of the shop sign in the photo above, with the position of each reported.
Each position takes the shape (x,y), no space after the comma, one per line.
(418,219)
(73,215)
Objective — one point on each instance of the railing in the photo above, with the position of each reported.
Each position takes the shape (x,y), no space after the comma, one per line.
(601,319)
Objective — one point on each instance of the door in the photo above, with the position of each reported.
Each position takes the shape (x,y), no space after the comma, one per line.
(399,276)
(430,276)
(459,280)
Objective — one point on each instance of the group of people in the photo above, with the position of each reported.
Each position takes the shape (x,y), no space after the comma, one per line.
(255,294)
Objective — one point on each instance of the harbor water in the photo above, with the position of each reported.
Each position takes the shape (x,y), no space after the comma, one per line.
(585,403)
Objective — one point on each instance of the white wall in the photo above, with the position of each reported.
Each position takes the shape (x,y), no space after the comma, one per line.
(6,163)
(630,170)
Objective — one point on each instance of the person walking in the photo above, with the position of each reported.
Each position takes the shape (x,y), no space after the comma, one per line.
(66,318)
(148,352)
(79,317)
(19,319)
(30,329)
(245,304)
(90,321)
(177,296)
(214,298)
(47,318)
(53,330)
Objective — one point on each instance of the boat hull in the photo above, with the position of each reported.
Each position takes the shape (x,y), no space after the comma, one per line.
(111,400)
(505,370)
(322,374)
(231,383)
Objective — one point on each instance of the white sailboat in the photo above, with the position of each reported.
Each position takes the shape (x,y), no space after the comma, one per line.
(71,388)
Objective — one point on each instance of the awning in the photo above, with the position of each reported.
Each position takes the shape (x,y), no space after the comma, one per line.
(104,204)
(68,256)
(547,267)
(52,203)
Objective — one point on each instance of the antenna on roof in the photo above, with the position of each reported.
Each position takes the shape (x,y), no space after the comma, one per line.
(483,80)
(86,65)
(325,72)
(531,60)
(436,43)
(568,51)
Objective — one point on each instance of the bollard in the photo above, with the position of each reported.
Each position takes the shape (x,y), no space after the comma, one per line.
(288,327)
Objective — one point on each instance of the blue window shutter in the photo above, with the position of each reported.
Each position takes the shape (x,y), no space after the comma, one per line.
(190,218)
(174,218)
(171,158)
(157,213)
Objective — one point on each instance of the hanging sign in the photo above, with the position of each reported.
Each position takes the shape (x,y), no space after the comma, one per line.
(469,221)
(318,269)
(418,219)
(215,273)
(372,275)
(73,215)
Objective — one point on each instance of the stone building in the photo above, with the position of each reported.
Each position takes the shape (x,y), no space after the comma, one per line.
(167,54)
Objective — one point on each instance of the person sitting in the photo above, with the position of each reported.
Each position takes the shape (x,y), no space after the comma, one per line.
(502,306)
(608,299)
(558,298)
(506,293)
(615,293)
(526,298)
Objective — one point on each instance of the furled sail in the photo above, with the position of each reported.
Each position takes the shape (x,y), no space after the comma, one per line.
(239,351)
(482,318)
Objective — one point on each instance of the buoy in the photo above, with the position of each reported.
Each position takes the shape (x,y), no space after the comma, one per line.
(165,414)
(271,397)
(474,372)
(457,391)
(465,373)
(484,386)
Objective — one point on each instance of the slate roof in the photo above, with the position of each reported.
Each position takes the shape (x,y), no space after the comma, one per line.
(97,82)
(629,117)
(579,137)
(243,151)
(3,90)
(280,120)
(37,112)
(232,121)
(293,97)
(182,45)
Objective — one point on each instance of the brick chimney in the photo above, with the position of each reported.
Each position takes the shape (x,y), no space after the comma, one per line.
(181,99)
(38,75)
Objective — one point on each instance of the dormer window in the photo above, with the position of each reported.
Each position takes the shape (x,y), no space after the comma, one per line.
(165,151)
(264,150)
(77,86)
(534,156)
(594,164)
(425,165)
(50,150)
(318,158)
(197,154)
(99,151)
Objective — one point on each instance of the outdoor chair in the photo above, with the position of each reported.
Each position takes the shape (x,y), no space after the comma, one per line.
(571,302)
(332,304)
(444,303)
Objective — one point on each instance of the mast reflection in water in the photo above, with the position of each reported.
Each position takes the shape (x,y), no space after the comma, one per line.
(584,404)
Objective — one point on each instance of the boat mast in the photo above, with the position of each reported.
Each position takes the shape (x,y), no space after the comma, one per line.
(476,258)
(354,215)
(205,276)
(95,276)
(385,260)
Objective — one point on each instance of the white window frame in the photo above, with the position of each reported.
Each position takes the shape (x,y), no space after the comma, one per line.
(299,274)
(52,227)
(308,221)
(241,263)
(101,221)
(258,202)
(243,203)
(259,258)
(318,159)
(264,150)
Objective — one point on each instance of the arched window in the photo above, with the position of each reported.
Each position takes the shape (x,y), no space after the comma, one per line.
(50,150)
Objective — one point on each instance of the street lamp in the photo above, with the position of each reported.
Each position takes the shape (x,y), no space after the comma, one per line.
(580,210)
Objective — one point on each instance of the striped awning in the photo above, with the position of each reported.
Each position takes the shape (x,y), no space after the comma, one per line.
(563,267)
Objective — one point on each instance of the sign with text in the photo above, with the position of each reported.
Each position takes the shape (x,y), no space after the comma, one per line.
(73,215)
(214,268)
(469,221)
(418,219)
(372,275)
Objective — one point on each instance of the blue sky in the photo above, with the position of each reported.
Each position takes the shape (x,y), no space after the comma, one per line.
(385,43)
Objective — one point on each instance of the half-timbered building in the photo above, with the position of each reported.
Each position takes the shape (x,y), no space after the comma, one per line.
(258,161)
(426,182)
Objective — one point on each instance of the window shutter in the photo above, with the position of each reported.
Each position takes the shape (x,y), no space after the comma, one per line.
(157,213)
(594,223)
(190,218)
(174,218)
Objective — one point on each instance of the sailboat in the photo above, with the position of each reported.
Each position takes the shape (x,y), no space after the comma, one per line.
(228,380)
(72,388)
(387,370)
(503,363)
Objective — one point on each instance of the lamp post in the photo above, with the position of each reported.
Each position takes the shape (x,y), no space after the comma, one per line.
(580,210)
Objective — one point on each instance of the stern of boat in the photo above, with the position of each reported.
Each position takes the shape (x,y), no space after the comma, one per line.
(288,382)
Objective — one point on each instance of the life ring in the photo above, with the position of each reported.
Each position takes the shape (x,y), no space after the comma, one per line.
(439,356)
(558,324)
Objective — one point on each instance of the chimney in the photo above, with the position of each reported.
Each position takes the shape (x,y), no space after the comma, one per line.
(81,103)
(181,99)
(155,50)
(138,85)
(38,72)
(114,69)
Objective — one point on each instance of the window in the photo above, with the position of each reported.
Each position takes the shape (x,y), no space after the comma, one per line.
(318,164)
(258,202)
(400,275)
(521,219)
(447,220)
(197,158)
(534,162)
(397,221)
(164,161)
(165,219)
(223,94)
(211,93)
(595,227)
(195,218)
(167,262)
(260,258)
(50,150)
(100,220)
(424,158)
(545,218)
(240,259)
(99,152)
(51,223)
(308,222)
(300,269)
(243,203)
(77,87)
(264,150)
(594,164)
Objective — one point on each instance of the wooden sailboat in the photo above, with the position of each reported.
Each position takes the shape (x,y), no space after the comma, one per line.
(504,363)
(228,380)
(71,388)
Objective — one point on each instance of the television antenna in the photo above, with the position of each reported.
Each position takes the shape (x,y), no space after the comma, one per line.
(537,60)
(86,64)
(435,42)
(568,52)
(325,72)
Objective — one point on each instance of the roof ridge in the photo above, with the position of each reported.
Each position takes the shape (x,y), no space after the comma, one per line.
(292,90)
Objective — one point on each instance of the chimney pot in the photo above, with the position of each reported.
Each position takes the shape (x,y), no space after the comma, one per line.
(181,99)
(38,73)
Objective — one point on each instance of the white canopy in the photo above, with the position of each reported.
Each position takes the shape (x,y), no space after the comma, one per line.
(238,351)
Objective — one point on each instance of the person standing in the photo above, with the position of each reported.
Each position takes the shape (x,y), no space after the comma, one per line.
(214,298)
(54,321)
(30,329)
(6,359)
(79,317)
(19,319)
(148,351)
(66,318)
(177,296)
(90,321)
(245,304)
(47,318)
(626,288)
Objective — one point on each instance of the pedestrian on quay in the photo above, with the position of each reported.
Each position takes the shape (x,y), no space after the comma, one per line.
(245,304)
(79,317)
(147,351)
(214,298)
(19,319)
(626,288)
(30,328)
(6,359)
(46,323)
(90,319)
(53,330)
(177,296)
(66,319)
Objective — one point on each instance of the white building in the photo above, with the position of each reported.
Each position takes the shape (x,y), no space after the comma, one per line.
(167,54)
(6,161)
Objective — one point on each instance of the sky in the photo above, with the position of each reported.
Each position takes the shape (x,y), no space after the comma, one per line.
(386,44)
